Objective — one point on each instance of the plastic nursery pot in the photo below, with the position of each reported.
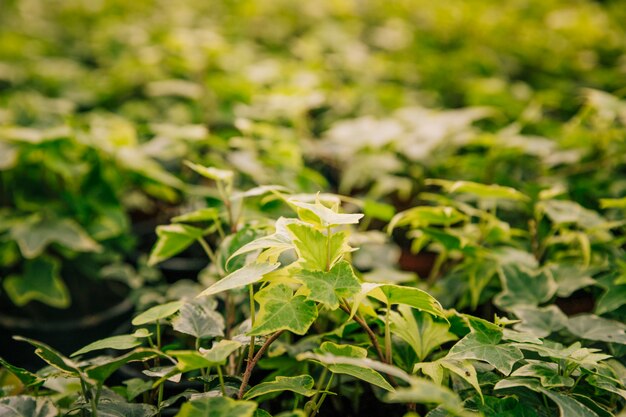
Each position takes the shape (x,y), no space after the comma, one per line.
(95,313)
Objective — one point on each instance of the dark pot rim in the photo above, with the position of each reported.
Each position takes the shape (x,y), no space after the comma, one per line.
(83,322)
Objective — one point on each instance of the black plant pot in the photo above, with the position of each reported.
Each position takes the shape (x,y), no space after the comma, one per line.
(97,310)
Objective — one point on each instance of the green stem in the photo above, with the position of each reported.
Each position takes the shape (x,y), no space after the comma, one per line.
(320,382)
(321,401)
(160,399)
(221,377)
(208,250)
(328,245)
(252,319)
(388,353)
(434,273)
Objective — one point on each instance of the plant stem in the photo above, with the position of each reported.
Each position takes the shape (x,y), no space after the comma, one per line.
(434,273)
(252,319)
(221,377)
(368,330)
(160,399)
(388,353)
(208,250)
(251,364)
(320,382)
(321,401)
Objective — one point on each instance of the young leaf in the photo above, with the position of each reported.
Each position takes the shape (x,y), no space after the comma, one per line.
(314,251)
(157,313)
(414,297)
(25,406)
(212,173)
(281,310)
(278,242)
(324,216)
(121,342)
(199,319)
(190,360)
(247,275)
(302,385)
(173,239)
(421,331)
(424,216)
(41,281)
(217,407)
(546,372)
(205,214)
(330,287)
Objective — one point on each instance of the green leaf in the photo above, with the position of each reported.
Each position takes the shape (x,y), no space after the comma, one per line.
(157,313)
(34,235)
(540,321)
(136,387)
(212,173)
(281,310)
(247,275)
(324,216)
(278,242)
(423,216)
(25,376)
(302,384)
(483,191)
(41,281)
(567,212)
(592,327)
(423,391)
(206,214)
(198,318)
(611,300)
(173,239)
(570,278)
(121,342)
(8,156)
(330,287)
(343,350)
(103,369)
(524,287)
(25,406)
(396,294)
(190,360)
(378,210)
(313,248)
(421,331)
(217,407)
(111,408)
(52,357)
(568,406)
(546,372)
(483,344)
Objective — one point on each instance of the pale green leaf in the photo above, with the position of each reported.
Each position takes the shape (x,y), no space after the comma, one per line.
(421,331)
(111,408)
(314,251)
(540,321)
(247,275)
(156,313)
(330,287)
(324,216)
(190,360)
(547,373)
(211,172)
(302,384)
(397,294)
(105,367)
(281,310)
(279,241)
(423,216)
